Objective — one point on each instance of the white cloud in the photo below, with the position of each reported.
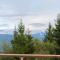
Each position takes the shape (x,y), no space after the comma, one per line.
(43,19)
(11,22)
(36,11)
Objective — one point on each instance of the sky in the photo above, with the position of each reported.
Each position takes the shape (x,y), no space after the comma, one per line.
(36,14)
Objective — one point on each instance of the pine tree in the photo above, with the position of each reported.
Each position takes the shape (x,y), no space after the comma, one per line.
(30,43)
(57,31)
(56,34)
(49,34)
(22,43)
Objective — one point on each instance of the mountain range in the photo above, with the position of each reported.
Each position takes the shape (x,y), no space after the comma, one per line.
(9,37)
(6,37)
(40,35)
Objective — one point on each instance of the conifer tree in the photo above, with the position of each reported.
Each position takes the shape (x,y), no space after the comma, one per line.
(49,34)
(22,43)
(57,31)
(56,34)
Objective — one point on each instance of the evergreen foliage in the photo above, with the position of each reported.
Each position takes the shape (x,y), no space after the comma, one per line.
(57,31)
(56,34)
(49,34)
(22,42)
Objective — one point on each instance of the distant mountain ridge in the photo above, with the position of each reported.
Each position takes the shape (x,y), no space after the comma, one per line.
(9,37)
(40,35)
(6,37)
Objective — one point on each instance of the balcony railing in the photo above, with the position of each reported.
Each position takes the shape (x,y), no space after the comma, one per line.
(21,56)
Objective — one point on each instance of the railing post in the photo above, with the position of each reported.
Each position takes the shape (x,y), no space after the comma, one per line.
(21,58)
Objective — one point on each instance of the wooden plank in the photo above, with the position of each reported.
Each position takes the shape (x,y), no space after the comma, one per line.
(31,55)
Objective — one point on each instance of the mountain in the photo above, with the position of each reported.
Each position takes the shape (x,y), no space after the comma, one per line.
(9,37)
(6,37)
(40,35)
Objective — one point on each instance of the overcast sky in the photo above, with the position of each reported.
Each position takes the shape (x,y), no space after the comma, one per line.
(36,14)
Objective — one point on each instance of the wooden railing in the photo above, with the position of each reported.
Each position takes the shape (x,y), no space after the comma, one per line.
(21,56)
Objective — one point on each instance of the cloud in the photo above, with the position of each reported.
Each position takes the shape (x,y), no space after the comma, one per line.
(31,7)
(37,24)
(6,31)
(36,13)
(3,25)
(33,22)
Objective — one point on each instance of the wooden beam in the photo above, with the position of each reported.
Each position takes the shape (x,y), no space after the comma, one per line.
(31,55)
